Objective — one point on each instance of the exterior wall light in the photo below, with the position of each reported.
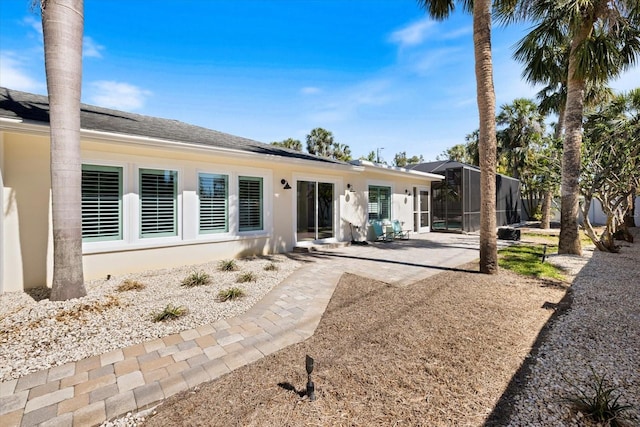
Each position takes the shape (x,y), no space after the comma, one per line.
(285,183)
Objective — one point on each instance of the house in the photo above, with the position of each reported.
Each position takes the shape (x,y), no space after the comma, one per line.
(159,193)
(456,200)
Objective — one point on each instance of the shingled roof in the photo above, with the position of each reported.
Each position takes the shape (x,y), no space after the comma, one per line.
(35,108)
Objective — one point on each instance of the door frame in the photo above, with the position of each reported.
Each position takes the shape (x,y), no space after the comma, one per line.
(417,208)
(337,190)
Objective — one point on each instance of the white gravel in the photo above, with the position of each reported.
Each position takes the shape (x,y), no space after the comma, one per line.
(37,333)
(599,334)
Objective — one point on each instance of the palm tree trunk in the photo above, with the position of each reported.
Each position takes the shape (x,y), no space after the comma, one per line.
(62,25)
(547,200)
(569,242)
(487,141)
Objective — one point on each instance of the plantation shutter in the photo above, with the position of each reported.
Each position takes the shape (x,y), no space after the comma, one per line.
(158,206)
(379,203)
(101,203)
(213,194)
(385,203)
(373,203)
(250,203)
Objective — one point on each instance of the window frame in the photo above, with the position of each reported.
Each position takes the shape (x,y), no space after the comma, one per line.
(96,166)
(211,175)
(176,200)
(249,229)
(375,189)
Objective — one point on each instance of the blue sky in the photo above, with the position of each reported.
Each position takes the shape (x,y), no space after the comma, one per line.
(376,73)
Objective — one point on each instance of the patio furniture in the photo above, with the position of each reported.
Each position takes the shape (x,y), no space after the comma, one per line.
(398,232)
(379,230)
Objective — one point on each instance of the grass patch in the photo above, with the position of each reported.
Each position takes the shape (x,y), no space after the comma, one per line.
(197,278)
(553,240)
(246,277)
(271,267)
(527,260)
(170,312)
(227,265)
(230,294)
(130,285)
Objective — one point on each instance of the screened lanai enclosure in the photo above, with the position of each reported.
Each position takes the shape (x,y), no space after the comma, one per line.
(455,201)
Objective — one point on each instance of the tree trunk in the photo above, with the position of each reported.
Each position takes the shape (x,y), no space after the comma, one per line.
(569,242)
(545,221)
(629,218)
(547,201)
(487,141)
(62,25)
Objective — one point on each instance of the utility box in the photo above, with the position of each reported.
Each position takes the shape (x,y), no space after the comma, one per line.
(508,233)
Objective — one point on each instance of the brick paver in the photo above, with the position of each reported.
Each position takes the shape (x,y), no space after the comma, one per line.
(107,386)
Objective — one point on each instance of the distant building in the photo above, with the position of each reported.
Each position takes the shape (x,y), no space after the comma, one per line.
(455,201)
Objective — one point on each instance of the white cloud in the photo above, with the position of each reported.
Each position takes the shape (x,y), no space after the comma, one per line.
(35,24)
(341,106)
(14,74)
(413,34)
(435,59)
(118,95)
(91,49)
(310,90)
(460,32)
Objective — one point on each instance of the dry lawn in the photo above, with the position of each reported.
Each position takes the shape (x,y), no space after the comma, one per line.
(440,352)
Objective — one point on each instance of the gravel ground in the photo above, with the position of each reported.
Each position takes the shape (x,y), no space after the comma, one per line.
(599,334)
(36,333)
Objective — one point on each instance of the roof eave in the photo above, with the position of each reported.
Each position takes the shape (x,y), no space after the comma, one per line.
(393,170)
(126,139)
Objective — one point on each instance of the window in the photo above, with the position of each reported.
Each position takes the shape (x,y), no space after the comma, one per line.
(379,202)
(101,203)
(250,203)
(213,192)
(158,205)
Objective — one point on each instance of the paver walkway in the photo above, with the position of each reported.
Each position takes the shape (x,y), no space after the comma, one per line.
(99,388)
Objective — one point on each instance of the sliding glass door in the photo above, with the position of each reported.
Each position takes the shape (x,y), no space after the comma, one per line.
(315,210)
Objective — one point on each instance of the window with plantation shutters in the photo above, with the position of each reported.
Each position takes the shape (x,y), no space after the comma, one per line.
(379,202)
(250,203)
(158,204)
(101,203)
(213,195)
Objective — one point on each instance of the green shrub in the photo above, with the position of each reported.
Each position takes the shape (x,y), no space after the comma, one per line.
(170,312)
(130,285)
(230,294)
(271,267)
(600,402)
(197,278)
(246,277)
(228,265)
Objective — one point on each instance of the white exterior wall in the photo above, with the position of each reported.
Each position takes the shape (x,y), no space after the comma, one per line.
(598,217)
(26,240)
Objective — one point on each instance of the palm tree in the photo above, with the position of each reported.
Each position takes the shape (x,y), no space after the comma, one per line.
(604,41)
(320,142)
(62,26)
(486,98)
(545,55)
(524,126)
(290,143)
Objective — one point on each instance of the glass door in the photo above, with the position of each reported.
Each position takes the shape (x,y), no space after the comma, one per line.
(421,212)
(315,210)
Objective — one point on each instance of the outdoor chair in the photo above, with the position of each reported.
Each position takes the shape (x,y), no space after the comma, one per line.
(379,230)
(398,232)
